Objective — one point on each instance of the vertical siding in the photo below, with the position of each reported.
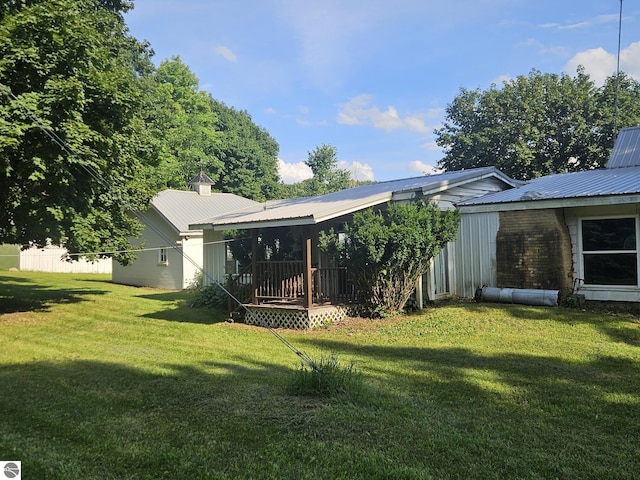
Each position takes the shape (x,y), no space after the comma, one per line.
(475,253)
(214,256)
(192,260)
(50,259)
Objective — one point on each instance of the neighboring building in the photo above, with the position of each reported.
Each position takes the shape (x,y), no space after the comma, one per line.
(574,232)
(50,258)
(311,281)
(53,258)
(171,253)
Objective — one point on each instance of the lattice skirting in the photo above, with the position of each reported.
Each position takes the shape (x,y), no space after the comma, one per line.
(275,317)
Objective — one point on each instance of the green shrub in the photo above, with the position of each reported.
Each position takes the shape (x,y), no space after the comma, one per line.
(209,296)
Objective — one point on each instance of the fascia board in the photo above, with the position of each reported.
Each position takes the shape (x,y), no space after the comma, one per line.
(552,203)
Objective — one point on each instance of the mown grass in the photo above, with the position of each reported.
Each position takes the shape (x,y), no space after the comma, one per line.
(101,381)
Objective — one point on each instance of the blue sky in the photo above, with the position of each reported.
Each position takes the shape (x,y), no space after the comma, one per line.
(373,77)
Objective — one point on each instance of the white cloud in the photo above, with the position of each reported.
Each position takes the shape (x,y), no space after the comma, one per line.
(293,172)
(542,48)
(227,53)
(590,22)
(432,146)
(600,64)
(359,111)
(423,168)
(359,171)
(630,60)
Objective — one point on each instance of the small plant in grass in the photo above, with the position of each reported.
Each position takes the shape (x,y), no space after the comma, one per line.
(327,378)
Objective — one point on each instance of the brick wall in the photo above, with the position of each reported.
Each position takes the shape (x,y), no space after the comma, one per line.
(533,250)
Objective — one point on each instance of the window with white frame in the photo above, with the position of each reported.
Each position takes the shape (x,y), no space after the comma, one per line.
(162,256)
(609,251)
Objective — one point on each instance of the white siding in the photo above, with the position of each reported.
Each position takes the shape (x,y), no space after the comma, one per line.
(192,260)
(146,271)
(474,253)
(51,259)
(214,256)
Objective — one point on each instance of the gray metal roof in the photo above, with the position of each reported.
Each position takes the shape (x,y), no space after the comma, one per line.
(626,151)
(590,183)
(313,210)
(181,208)
(201,178)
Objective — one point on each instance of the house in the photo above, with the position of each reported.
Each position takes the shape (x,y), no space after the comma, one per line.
(574,232)
(171,253)
(308,290)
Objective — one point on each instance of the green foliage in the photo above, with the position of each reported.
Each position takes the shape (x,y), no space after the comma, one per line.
(536,125)
(210,296)
(387,251)
(327,176)
(183,124)
(206,296)
(73,69)
(276,244)
(327,378)
(249,155)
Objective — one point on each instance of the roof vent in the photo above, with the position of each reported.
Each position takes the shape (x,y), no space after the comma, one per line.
(201,183)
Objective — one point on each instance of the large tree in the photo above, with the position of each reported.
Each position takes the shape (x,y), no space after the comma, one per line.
(69,70)
(249,155)
(535,125)
(183,125)
(327,175)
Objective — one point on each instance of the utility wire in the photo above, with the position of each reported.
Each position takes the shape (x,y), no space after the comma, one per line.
(140,215)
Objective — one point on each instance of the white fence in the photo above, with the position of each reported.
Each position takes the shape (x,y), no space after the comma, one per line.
(51,259)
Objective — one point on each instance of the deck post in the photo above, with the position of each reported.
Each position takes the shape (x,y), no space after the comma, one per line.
(254,266)
(308,287)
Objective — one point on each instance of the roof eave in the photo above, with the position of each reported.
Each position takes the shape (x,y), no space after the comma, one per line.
(596,200)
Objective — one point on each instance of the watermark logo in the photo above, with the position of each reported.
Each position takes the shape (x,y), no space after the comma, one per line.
(12,470)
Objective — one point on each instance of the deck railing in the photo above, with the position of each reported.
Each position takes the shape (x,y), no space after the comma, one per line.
(284,281)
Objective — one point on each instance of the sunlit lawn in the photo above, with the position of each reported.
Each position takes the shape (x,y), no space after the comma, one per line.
(102,381)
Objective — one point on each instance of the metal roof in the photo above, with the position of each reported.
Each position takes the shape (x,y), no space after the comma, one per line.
(590,183)
(626,150)
(313,210)
(201,178)
(181,208)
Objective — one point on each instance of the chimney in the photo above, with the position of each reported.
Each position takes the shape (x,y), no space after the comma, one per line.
(201,183)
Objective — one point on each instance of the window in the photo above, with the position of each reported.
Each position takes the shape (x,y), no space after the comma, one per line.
(609,251)
(162,256)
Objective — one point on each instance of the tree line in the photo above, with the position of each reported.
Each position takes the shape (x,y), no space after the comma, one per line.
(90,129)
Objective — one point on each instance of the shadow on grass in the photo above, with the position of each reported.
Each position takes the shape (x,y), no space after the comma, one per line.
(620,326)
(179,309)
(24,295)
(611,382)
(230,419)
(95,420)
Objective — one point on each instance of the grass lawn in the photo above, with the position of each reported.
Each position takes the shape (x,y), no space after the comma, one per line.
(102,381)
